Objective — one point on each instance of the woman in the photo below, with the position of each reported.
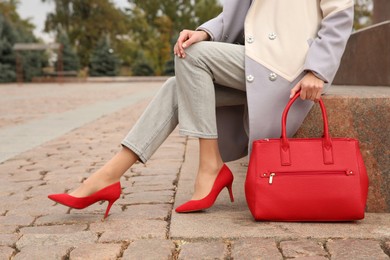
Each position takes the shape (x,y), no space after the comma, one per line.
(247,62)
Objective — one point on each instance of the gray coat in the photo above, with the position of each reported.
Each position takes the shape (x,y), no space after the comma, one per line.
(267,90)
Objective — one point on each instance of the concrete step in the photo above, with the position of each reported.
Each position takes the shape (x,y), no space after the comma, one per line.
(366,60)
(362,113)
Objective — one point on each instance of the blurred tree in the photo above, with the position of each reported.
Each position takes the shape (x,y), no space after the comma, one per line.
(363,13)
(369,12)
(85,22)
(13,30)
(7,55)
(141,67)
(8,10)
(103,61)
(155,26)
(69,57)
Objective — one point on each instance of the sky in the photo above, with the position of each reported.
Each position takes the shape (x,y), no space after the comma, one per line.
(36,11)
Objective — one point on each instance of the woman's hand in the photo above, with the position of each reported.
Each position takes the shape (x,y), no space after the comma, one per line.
(310,87)
(186,39)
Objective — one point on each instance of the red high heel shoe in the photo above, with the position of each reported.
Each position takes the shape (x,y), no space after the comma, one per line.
(224,179)
(110,193)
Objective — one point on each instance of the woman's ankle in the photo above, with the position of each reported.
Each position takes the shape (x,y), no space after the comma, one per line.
(210,167)
(101,177)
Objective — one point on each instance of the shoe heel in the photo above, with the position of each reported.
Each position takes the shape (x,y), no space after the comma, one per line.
(110,203)
(229,187)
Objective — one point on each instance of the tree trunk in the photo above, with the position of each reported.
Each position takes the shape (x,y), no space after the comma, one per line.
(381,11)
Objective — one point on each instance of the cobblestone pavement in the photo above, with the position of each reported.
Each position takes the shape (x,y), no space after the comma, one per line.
(142,224)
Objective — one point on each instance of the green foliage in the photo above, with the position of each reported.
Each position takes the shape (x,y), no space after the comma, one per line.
(7,56)
(155,26)
(33,64)
(145,31)
(85,22)
(13,30)
(363,13)
(182,13)
(103,61)
(70,60)
(141,67)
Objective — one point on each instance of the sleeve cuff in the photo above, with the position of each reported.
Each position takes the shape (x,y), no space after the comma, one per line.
(318,75)
(207,31)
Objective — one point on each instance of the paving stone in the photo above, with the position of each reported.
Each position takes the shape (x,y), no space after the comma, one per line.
(300,248)
(8,229)
(129,229)
(255,248)
(144,212)
(140,188)
(6,252)
(96,251)
(98,210)
(203,250)
(387,248)
(169,154)
(8,239)
(46,189)
(35,207)
(26,176)
(62,229)
(311,258)
(356,249)
(153,171)
(43,252)
(64,181)
(72,239)
(13,163)
(16,189)
(148,197)
(16,220)
(9,202)
(58,219)
(153,180)
(168,165)
(7,186)
(149,249)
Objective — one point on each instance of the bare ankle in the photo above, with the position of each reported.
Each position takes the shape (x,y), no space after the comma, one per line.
(210,167)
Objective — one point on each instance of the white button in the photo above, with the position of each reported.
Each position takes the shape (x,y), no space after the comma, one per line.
(250,78)
(273,76)
(272,36)
(250,39)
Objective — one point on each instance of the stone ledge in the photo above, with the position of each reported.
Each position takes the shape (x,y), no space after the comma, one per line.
(362,113)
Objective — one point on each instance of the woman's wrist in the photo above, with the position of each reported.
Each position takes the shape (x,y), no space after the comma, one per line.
(205,35)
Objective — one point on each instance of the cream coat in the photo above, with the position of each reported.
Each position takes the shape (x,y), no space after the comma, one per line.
(283,39)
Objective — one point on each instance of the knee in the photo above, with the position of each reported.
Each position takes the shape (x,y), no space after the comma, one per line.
(194,54)
(170,84)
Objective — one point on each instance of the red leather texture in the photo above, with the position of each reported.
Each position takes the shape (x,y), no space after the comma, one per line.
(306,179)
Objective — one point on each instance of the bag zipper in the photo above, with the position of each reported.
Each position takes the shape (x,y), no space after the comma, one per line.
(272,175)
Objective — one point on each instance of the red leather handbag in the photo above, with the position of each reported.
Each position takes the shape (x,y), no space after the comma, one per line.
(306,179)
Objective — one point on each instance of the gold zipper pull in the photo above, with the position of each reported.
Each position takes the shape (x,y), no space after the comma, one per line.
(271,177)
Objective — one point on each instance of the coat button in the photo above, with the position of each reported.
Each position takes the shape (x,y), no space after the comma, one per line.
(273,76)
(226,36)
(250,78)
(250,39)
(272,36)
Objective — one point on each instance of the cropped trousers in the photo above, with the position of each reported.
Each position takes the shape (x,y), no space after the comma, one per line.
(212,74)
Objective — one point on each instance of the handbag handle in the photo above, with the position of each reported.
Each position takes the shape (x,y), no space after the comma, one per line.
(285,146)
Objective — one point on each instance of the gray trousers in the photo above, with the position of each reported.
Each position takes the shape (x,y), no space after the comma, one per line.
(189,99)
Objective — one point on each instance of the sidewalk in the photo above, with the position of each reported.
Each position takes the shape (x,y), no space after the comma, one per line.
(142,223)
